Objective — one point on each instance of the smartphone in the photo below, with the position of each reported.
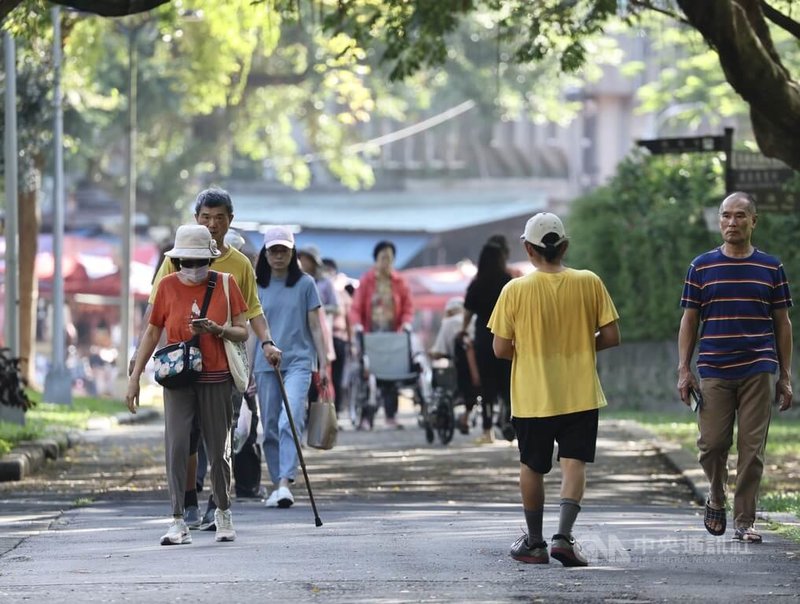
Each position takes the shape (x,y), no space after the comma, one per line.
(199,322)
(697,399)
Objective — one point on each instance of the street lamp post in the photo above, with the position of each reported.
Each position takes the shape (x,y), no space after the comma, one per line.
(11,277)
(129,210)
(11,283)
(58,381)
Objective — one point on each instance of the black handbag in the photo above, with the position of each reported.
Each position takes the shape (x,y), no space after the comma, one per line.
(178,365)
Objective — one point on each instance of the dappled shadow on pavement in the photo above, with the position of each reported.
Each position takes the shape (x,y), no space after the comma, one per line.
(383,464)
(399,464)
(403,521)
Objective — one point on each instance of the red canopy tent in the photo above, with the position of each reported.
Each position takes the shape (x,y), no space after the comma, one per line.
(90,266)
(432,286)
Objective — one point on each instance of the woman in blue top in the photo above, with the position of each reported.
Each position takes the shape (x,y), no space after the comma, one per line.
(290,299)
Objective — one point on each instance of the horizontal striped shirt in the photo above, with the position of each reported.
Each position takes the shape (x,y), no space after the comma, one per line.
(213,377)
(736,298)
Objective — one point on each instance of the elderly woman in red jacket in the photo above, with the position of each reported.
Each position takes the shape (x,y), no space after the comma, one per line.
(382,302)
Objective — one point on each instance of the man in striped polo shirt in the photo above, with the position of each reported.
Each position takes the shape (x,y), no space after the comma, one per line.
(741,295)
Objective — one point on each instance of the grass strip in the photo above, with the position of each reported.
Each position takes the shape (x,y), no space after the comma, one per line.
(48,419)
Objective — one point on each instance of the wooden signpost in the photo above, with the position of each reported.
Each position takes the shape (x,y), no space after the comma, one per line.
(764,178)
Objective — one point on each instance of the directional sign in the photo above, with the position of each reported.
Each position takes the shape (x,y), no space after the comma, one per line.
(752,160)
(777,201)
(764,178)
(687,144)
(760,180)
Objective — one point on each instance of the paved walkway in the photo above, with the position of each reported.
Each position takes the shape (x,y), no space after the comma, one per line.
(403,521)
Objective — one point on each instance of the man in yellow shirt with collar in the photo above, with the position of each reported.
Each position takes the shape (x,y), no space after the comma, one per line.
(550,324)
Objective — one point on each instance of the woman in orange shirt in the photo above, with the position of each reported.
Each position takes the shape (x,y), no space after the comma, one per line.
(179,299)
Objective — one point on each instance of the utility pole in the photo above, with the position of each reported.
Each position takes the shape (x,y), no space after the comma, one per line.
(12,197)
(129,210)
(58,381)
(11,284)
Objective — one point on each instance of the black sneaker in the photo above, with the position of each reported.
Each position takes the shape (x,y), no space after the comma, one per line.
(191,516)
(209,523)
(567,551)
(530,554)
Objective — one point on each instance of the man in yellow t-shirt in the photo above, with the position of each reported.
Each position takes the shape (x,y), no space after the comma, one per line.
(550,324)
(214,210)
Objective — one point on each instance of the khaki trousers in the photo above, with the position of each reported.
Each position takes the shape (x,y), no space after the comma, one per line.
(748,403)
(213,404)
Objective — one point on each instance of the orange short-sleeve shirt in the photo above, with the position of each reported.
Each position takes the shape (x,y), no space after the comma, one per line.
(176,304)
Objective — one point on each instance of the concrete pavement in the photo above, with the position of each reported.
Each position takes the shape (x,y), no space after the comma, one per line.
(403,521)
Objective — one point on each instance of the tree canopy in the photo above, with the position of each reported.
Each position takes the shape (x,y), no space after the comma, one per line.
(411,35)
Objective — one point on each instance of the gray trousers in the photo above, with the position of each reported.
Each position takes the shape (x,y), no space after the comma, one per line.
(212,402)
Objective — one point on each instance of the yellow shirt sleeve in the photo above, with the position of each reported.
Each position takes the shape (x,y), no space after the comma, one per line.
(165,269)
(501,322)
(246,280)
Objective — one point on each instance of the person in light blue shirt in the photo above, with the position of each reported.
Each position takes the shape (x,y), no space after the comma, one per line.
(291,300)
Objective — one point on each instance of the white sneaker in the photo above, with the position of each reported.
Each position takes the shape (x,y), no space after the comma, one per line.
(224,524)
(272,500)
(177,534)
(285,497)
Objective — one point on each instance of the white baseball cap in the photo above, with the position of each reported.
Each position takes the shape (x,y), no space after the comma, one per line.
(278,235)
(542,224)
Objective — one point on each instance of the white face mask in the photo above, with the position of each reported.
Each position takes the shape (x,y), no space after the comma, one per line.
(194,275)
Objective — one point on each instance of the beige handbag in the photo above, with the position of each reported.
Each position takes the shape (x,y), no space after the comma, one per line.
(322,425)
(238,363)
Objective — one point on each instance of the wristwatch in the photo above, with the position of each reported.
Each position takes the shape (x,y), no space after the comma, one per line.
(267,343)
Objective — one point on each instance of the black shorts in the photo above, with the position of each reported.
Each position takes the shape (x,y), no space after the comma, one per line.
(575,433)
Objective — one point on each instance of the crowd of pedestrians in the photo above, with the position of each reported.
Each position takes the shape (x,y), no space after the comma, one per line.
(525,349)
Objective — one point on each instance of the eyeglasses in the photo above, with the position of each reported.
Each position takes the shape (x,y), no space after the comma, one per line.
(193,263)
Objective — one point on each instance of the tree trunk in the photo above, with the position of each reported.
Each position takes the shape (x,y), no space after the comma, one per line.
(739,33)
(28,286)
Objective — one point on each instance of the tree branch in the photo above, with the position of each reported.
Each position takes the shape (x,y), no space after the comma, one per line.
(261,79)
(778,18)
(106,8)
(112,8)
(6,6)
(738,31)
(649,6)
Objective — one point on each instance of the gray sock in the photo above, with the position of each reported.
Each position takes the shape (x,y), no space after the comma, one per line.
(569,512)
(533,518)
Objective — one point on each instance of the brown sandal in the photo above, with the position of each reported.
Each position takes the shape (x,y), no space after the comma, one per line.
(715,516)
(747,534)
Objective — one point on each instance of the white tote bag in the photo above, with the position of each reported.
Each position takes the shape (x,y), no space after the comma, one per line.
(235,351)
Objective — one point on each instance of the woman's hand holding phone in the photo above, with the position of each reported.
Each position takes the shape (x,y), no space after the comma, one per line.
(200,326)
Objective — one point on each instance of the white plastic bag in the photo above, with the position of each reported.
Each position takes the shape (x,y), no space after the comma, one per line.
(242,430)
